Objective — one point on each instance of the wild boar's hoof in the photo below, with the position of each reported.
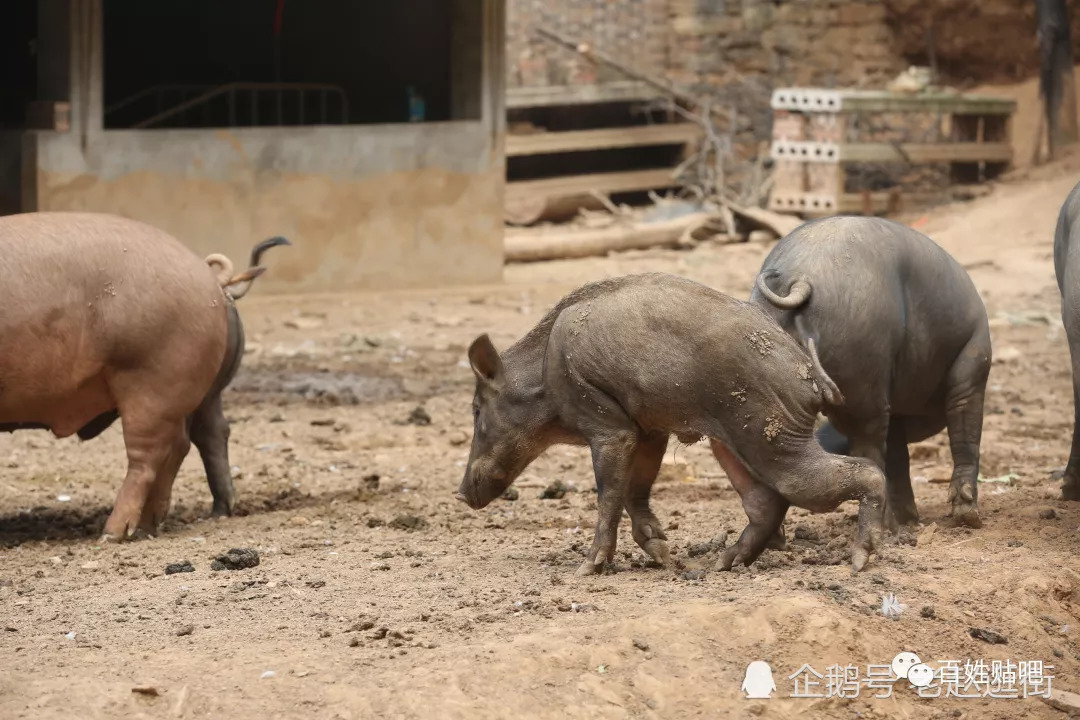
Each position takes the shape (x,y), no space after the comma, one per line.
(658,550)
(966,513)
(1070,489)
(591,567)
(859,557)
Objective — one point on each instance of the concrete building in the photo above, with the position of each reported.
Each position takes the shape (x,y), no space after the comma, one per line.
(228,122)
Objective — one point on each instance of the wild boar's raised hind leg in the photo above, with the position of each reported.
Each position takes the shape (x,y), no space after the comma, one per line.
(647,531)
(210,433)
(613,455)
(765,509)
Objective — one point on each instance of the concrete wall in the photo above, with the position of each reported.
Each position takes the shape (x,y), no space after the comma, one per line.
(367,207)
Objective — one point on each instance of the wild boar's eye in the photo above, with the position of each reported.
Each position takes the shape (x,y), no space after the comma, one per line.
(475,412)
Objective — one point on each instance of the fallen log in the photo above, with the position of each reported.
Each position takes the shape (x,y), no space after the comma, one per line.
(777,222)
(531,247)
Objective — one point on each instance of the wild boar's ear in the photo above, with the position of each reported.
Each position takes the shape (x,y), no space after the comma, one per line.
(485,360)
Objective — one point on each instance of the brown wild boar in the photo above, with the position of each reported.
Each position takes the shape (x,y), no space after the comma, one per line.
(104,317)
(622,364)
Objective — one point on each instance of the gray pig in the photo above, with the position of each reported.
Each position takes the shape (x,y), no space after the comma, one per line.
(108,318)
(621,364)
(904,334)
(1067,269)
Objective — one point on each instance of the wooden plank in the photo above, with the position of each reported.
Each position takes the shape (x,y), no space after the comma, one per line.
(879,101)
(621,91)
(879,201)
(583,184)
(918,153)
(604,138)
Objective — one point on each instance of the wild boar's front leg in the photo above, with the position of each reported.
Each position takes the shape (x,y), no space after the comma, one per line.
(613,463)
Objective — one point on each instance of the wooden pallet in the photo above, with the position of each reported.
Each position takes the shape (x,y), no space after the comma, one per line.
(810,146)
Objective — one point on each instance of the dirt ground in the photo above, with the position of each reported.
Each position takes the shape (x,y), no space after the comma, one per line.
(378,595)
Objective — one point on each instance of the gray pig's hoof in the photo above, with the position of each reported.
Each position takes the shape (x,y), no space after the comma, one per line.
(778,541)
(729,557)
(967,514)
(1070,490)
(221,510)
(902,514)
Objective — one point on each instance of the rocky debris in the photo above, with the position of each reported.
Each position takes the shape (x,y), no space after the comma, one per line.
(146,690)
(418,416)
(371,482)
(1014,543)
(692,575)
(987,635)
(374,522)
(1065,701)
(926,536)
(236,559)
(1047,514)
(555,491)
(409,523)
(458,438)
(315,584)
(704,548)
(641,645)
(185,630)
(511,494)
(927,611)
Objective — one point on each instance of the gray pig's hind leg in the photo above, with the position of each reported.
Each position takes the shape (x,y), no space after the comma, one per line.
(210,433)
(765,509)
(964,416)
(647,530)
(613,455)
(901,498)
(1070,488)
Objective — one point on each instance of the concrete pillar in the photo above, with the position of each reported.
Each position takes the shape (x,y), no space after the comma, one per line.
(494,84)
(86,70)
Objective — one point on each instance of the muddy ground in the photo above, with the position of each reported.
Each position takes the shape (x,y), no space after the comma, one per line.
(378,595)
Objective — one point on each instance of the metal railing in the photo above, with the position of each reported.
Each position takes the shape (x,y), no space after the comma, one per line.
(311,104)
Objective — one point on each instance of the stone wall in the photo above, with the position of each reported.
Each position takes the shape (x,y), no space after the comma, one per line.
(634,31)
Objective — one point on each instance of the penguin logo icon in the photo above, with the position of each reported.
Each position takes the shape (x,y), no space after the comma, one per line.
(758,683)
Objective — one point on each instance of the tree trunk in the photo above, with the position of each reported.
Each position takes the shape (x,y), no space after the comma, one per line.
(1056,82)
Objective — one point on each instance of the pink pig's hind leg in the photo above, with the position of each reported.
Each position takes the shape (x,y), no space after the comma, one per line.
(156,441)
